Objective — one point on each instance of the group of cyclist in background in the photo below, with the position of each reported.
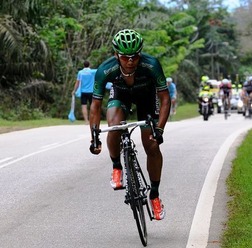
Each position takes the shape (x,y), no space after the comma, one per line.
(225,90)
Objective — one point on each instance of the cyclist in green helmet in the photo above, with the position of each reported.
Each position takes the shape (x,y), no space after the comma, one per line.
(137,78)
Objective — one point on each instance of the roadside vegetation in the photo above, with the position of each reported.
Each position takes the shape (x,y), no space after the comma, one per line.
(238,229)
(184,111)
(10,126)
(43,45)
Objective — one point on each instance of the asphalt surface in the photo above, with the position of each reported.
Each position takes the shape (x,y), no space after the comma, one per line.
(54,193)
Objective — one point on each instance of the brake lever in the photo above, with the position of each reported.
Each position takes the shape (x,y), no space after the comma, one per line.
(150,121)
(95,135)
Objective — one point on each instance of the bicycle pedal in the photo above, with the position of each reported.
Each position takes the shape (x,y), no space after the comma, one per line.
(121,188)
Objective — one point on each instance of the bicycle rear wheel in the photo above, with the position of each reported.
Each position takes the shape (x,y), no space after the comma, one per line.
(225,109)
(249,109)
(135,198)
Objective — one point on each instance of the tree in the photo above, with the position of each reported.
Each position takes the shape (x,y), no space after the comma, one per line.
(242,16)
(46,41)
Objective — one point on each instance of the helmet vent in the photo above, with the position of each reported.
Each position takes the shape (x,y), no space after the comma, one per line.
(127,41)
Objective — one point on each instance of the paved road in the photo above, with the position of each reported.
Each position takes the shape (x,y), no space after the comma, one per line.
(54,193)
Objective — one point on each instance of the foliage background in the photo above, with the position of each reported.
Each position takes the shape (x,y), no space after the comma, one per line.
(44,43)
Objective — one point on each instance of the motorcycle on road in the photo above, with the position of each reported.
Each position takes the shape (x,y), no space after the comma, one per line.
(206,108)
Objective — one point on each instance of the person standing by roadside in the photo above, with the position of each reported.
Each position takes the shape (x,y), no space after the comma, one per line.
(173,94)
(85,80)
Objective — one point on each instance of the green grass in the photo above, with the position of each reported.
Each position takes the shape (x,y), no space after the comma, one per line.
(238,231)
(183,112)
(8,126)
(186,111)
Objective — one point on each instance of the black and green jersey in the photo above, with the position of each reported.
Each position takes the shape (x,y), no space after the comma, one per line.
(149,73)
(148,80)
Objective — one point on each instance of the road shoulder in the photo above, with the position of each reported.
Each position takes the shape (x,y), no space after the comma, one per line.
(220,214)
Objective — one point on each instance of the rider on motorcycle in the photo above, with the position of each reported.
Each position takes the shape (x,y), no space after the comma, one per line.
(204,80)
(205,92)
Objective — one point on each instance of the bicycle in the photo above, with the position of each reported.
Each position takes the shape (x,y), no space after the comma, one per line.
(136,186)
(248,108)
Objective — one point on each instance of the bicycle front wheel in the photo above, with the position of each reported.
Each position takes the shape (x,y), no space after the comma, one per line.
(136,200)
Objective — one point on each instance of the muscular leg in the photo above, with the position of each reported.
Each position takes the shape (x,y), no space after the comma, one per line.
(154,156)
(85,113)
(154,162)
(114,116)
(173,105)
(229,103)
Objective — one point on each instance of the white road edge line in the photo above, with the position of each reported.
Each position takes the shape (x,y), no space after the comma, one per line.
(5,159)
(40,151)
(199,233)
(50,145)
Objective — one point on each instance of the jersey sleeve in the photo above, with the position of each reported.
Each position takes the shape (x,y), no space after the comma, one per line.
(99,84)
(158,75)
(106,72)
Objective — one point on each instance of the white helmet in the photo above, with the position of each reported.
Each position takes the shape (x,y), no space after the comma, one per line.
(225,81)
(169,79)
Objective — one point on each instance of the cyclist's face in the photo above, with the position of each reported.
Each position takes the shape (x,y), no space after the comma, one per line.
(129,62)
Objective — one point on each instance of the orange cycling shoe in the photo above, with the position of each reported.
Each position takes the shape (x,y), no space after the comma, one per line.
(116,181)
(157,208)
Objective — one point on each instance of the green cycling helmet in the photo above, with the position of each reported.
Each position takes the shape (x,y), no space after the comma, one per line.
(127,42)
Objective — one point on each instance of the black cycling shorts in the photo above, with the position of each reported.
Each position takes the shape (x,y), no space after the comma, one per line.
(145,100)
(85,98)
(226,93)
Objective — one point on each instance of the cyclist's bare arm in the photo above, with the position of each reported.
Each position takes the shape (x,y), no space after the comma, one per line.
(165,106)
(95,112)
(77,83)
(95,118)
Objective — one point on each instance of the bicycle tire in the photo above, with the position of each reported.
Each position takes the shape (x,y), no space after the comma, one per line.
(136,201)
(225,110)
(249,109)
(146,187)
